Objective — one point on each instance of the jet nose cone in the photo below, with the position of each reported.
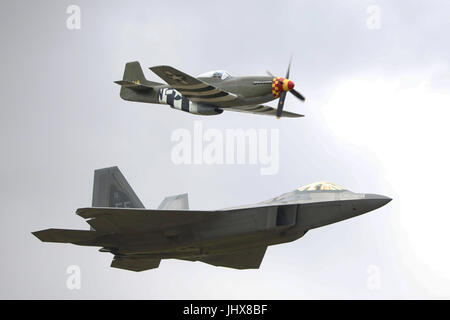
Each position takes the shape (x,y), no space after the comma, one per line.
(377,200)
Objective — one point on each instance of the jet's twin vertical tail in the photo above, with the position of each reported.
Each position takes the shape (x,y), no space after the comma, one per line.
(178,202)
(111,189)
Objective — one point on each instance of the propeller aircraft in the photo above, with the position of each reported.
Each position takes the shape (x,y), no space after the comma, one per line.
(210,93)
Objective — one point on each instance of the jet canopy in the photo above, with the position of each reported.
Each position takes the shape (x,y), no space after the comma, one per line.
(218,74)
(322,186)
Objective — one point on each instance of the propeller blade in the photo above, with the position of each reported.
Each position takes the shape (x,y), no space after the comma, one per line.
(297,94)
(281,104)
(270,73)
(289,69)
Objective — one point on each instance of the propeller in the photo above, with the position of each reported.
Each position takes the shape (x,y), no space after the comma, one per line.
(280,87)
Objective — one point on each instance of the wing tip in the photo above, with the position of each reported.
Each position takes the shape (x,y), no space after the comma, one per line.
(40,234)
(288,114)
(47,235)
(83,212)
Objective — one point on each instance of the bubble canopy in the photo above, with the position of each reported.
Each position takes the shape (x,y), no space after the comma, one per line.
(321,186)
(218,74)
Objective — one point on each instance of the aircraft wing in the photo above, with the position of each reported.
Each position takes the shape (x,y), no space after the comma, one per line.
(135,220)
(262,109)
(243,259)
(135,264)
(192,88)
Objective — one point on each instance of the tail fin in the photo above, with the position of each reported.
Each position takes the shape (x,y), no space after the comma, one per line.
(133,72)
(178,202)
(134,79)
(111,189)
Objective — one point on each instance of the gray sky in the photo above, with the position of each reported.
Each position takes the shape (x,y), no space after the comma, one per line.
(376,122)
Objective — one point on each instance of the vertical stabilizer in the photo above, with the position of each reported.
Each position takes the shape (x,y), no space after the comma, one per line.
(178,202)
(111,189)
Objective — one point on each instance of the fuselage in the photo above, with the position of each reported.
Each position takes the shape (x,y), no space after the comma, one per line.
(232,237)
(278,220)
(249,91)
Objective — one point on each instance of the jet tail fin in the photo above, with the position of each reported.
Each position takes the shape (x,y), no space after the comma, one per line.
(111,189)
(178,202)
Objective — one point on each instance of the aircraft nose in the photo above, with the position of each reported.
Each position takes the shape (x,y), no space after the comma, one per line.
(288,84)
(377,200)
(291,84)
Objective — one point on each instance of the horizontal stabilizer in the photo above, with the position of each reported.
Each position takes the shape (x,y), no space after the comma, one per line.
(133,85)
(135,264)
(66,236)
(178,202)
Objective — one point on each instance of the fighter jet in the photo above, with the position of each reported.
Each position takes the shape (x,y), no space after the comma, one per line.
(235,237)
(210,93)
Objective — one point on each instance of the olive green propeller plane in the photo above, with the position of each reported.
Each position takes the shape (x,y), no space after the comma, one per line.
(210,93)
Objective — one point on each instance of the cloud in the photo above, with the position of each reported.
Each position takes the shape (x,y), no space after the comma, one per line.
(404,122)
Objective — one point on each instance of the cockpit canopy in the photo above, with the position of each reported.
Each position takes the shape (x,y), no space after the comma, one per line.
(322,186)
(218,74)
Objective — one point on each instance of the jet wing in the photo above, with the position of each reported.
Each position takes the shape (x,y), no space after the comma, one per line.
(135,264)
(243,259)
(135,220)
(264,110)
(192,88)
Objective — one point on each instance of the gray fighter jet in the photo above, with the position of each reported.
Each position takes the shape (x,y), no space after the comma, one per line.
(235,237)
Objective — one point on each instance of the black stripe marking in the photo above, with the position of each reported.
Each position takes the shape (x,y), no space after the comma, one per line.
(170,99)
(185,104)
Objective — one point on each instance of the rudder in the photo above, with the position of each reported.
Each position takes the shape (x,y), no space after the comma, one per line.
(134,78)
(133,72)
(135,87)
